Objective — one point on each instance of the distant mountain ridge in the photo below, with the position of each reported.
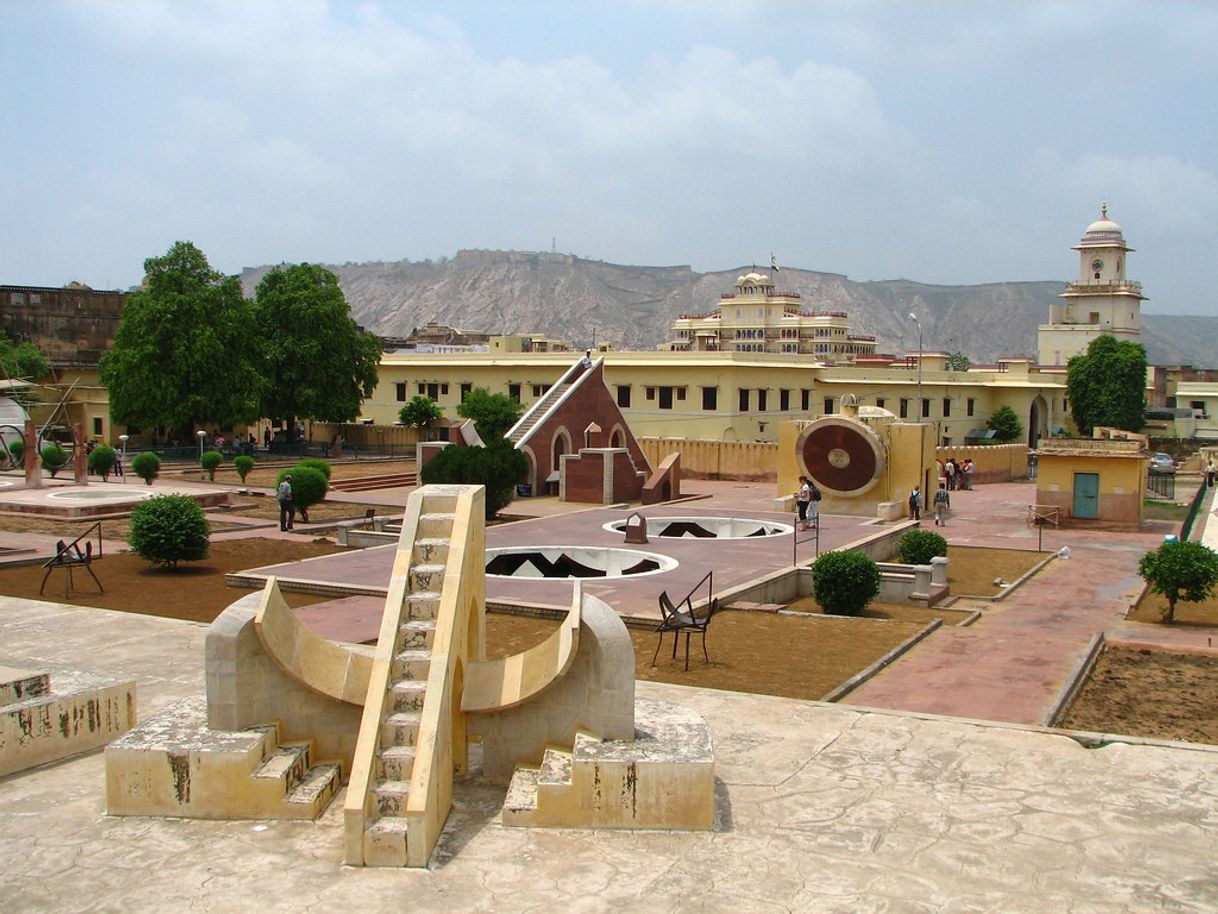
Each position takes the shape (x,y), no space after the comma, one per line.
(569,297)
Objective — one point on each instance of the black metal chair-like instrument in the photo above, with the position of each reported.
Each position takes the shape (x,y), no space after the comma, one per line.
(71,556)
(681,618)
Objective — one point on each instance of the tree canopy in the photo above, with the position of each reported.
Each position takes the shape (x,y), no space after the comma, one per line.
(493,414)
(420,412)
(185,352)
(1107,386)
(317,363)
(1180,571)
(22,360)
(1005,424)
(957,361)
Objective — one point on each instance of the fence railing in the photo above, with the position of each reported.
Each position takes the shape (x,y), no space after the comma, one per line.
(1161,484)
(1186,528)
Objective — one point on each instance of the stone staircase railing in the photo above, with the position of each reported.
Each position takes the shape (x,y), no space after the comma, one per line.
(556,394)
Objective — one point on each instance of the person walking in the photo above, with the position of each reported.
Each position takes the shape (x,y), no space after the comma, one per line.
(949,470)
(915,503)
(943,501)
(1210,472)
(966,474)
(287,511)
(814,507)
(803,498)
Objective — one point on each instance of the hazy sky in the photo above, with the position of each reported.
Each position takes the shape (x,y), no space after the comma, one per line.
(943,142)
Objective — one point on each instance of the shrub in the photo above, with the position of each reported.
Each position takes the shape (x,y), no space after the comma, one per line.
(209,461)
(918,547)
(1180,571)
(54,457)
(420,412)
(16,450)
(316,463)
(168,529)
(309,487)
(1005,424)
(101,460)
(243,465)
(146,465)
(498,466)
(845,582)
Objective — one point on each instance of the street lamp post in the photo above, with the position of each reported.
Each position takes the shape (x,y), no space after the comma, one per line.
(921,424)
(201,435)
(122,460)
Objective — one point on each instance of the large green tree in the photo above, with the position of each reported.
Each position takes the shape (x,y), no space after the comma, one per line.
(1180,571)
(185,352)
(1107,386)
(317,363)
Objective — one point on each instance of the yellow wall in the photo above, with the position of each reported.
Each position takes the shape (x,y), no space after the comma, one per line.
(727,373)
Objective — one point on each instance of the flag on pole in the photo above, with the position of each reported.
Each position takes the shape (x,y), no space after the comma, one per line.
(773,262)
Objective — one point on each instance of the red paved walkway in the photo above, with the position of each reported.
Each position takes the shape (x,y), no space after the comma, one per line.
(1012,664)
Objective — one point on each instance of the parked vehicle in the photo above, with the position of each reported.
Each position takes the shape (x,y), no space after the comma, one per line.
(1162,463)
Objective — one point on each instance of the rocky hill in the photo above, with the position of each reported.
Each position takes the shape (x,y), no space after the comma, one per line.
(563,296)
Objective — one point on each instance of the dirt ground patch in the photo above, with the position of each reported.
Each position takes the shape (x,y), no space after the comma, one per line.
(267,467)
(1152,607)
(895,612)
(771,654)
(971,570)
(194,591)
(1155,694)
(267,509)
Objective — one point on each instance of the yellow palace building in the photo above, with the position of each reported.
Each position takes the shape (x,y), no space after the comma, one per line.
(739,396)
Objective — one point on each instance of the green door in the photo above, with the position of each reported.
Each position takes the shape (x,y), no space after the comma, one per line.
(1087,495)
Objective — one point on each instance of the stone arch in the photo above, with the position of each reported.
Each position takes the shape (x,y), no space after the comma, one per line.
(560,444)
(1038,421)
(530,474)
(617,438)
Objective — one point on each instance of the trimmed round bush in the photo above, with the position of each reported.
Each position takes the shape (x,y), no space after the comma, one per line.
(309,487)
(147,466)
(54,457)
(316,463)
(845,582)
(209,461)
(243,465)
(918,547)
(101,460)
(16,450)
(168,529)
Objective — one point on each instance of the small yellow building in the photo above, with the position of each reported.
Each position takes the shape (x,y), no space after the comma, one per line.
(1093,479)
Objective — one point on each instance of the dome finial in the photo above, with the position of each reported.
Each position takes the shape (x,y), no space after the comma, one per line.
(1104,209)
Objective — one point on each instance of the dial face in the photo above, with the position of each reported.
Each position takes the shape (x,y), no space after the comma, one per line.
(1097,265)
(840,456)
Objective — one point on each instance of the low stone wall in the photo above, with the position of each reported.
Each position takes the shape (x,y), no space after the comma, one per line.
(992,462)
(753,461)
(368,436)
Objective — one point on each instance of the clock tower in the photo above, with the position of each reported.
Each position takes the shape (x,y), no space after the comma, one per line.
(1100,301)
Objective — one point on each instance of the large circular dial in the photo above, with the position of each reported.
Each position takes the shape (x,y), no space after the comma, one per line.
(841,455)
(1097,265)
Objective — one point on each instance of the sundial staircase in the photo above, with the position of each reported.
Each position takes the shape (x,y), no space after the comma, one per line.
(412,737)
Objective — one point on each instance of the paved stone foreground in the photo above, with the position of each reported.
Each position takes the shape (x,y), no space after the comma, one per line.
(821,808)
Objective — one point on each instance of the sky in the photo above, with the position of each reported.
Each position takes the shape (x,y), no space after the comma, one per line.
(946,142)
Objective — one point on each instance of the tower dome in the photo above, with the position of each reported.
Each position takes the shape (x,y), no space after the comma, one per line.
(1103,232)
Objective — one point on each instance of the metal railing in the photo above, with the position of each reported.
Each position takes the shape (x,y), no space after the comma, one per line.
(1162,485)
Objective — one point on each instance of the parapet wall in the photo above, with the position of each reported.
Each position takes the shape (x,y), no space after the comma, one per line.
(754,461)
(993,462)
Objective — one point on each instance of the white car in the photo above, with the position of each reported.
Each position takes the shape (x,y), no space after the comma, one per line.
(1162,463)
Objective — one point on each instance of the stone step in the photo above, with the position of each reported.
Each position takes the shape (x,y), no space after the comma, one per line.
(385,842)
(428,578)
(411,664)
(287,764)
(315,790)
(422,605)
(20,685)
(432,550)
(520,804)
(555,768)
(416,635)
(434,525)
(397,763)
(408,694)
(390,796)
(400,728)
